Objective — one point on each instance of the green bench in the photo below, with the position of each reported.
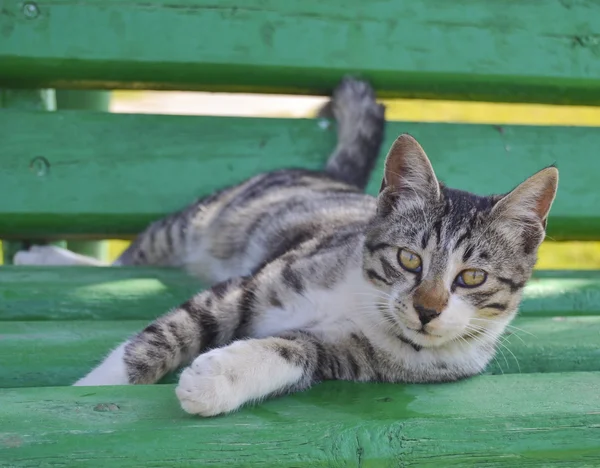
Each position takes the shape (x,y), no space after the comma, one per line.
(82,175)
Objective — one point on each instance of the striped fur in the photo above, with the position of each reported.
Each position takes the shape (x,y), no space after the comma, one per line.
(308,279)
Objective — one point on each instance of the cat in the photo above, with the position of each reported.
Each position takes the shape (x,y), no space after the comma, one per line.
(314,280)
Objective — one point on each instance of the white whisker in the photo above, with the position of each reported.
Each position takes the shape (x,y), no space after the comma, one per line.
(478,339)
(381,294)
(507,326)
(513,355)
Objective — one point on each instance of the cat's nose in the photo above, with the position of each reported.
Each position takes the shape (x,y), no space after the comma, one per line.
(426,315)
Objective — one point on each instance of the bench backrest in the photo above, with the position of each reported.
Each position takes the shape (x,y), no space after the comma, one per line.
(78,174)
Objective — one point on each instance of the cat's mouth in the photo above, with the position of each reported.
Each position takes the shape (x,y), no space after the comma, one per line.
(422,337)
(418,333)
(422,331)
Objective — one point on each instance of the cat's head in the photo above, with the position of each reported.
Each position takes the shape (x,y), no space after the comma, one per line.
(451,265)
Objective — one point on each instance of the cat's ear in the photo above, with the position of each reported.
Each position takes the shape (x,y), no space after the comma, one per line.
(532,199)
(407,169)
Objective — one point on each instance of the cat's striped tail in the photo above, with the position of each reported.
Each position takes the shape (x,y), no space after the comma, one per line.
(361,123)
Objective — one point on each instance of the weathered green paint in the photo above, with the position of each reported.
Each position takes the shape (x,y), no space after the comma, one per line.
(82,293)
(122,171)
(38,100)
(53,353)
(488,51)
(556,293)
(545,420)
(76,174)
(98,101)
(110,175)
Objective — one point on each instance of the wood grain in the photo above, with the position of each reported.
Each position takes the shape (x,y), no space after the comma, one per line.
(469,50)
(82,174)
(528,420)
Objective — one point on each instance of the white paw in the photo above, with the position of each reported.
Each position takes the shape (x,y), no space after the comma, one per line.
(43,255)
(224,379)
(212,384)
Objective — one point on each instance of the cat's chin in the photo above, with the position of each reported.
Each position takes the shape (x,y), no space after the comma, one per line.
(425,339)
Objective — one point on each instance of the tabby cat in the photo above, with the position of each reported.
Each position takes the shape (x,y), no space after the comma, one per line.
(314,280)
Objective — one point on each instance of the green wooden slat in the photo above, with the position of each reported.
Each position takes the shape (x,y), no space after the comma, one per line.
(110,175)
(30,99)
(36,354)
(539,420)
(556,293)
(83,293)
(98,101)
(491,51)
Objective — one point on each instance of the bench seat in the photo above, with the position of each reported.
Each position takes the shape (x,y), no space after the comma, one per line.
(82,175)
(510,420)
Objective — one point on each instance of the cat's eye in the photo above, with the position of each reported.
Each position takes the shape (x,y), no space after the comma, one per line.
(471,278)
(410,261)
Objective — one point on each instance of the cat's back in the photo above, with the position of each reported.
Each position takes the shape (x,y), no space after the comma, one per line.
(273,213)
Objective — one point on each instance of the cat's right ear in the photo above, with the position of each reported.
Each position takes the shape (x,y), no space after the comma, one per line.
(407,169)
(530,200)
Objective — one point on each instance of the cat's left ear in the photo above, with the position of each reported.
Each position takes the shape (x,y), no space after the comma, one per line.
(532,199)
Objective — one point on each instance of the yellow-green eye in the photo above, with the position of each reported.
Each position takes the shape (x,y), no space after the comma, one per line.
(471,278)
(410,261)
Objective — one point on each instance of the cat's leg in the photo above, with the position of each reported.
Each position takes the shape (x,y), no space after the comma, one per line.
(166,241)
(209,319)
(286,294)
(163,243)
(236,308)
(53,256)
(224,379)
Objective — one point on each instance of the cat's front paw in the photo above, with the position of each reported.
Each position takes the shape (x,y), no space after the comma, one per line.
(224,379)
(212,384)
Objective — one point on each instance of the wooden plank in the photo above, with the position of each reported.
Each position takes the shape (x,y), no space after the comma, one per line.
(30,99)
(488,51)
(546,420)
(98,101)
(555,293)
(83,293)
(165,162)
(37,354)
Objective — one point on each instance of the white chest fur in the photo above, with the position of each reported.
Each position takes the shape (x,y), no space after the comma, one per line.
(331,312)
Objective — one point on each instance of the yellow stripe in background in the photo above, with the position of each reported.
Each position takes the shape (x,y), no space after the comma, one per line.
(419,110)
